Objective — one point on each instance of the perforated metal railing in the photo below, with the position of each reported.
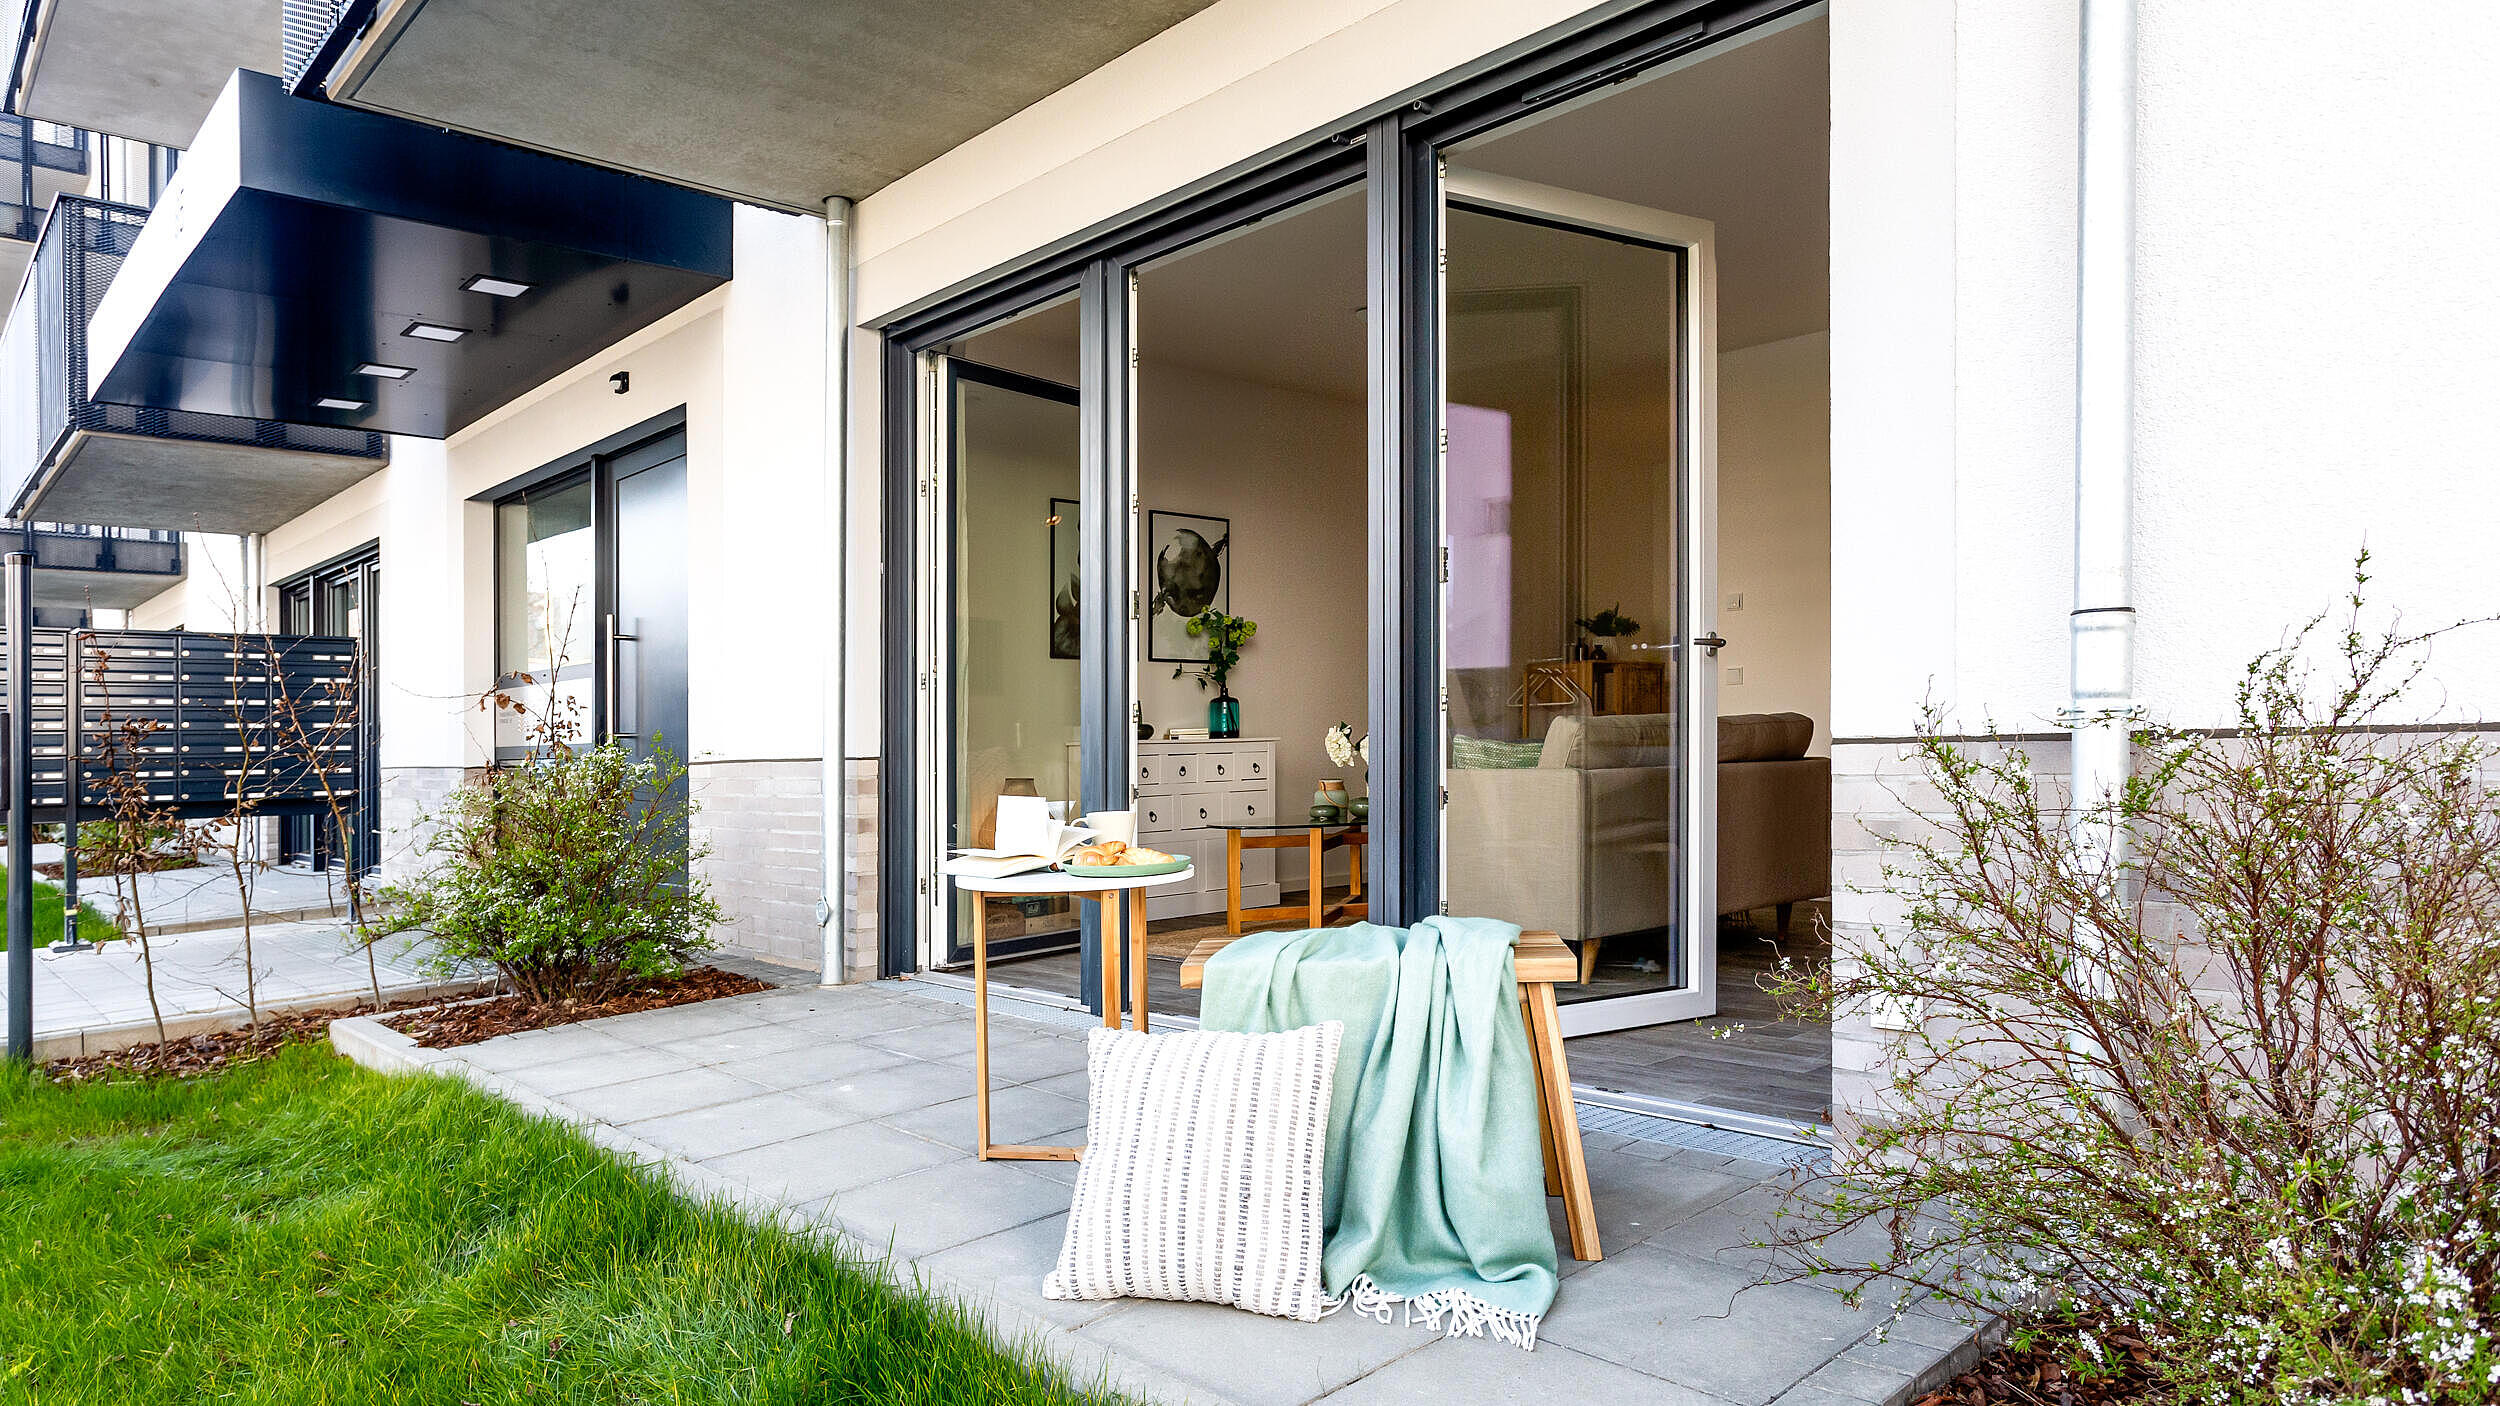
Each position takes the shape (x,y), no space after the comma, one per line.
(44,366)
(259,718)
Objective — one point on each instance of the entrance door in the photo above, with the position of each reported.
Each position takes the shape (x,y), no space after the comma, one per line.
(1578,521)
(645,623)
(1004,630)
(340,599)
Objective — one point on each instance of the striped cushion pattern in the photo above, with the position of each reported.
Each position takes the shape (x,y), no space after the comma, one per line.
(1201,1178)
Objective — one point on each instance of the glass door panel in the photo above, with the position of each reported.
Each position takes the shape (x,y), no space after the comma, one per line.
(546,593)
(1576,515)
(1010,630)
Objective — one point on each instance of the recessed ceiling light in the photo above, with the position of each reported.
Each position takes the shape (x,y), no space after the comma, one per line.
(434,331)
(385,370)
(499,287)
(331,402)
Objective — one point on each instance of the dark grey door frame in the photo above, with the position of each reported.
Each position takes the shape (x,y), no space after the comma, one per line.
(1394,149)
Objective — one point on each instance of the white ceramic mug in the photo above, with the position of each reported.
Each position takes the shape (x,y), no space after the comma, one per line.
(1118,825)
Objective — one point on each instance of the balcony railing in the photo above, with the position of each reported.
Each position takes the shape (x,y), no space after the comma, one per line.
(28,147)
(76,547)
(43,363)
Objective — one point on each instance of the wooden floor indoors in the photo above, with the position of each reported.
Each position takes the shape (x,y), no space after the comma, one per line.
(1761,1065)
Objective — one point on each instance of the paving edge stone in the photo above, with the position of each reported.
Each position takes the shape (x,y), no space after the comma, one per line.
(1079,1360)
(103,1039)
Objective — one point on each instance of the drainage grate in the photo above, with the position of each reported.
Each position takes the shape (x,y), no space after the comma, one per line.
(1723,1142)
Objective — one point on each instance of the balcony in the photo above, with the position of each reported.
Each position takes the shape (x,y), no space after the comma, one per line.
(775,102)
(38,160)
(143,69)
(80,568)
(70,458)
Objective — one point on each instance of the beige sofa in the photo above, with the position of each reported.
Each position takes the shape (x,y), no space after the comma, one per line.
(1581,842)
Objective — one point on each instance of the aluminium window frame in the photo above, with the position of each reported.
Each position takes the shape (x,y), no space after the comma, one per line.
(1393,148)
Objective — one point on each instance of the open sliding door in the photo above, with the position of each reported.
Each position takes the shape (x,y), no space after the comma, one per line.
(1578,531)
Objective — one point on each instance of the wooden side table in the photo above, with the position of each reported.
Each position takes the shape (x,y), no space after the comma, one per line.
(1538,960)
(1315,840)
(1113,896)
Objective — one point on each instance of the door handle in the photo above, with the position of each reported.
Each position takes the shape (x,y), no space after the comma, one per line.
(617,640)
(1710,642)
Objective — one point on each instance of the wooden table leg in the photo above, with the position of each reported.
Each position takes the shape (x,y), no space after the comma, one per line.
(980,1030)
(1109,903)
(1319,878)
(1544,1116)
(1354,870)
(1232,882)
(1554,1077)
(1137,958)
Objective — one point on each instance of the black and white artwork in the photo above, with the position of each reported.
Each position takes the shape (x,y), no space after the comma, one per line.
(1064,572)
(1187,558)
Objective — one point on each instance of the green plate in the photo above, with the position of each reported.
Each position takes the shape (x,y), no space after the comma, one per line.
(1124,871)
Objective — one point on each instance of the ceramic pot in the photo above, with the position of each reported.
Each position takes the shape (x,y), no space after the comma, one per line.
(1326,815)
(1361,809)
(1332,793)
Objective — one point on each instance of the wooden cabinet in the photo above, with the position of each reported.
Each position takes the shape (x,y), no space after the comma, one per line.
(1183,790)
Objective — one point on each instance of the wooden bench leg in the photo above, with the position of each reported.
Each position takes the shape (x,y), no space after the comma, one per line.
(1544,1118)
(1562,1121)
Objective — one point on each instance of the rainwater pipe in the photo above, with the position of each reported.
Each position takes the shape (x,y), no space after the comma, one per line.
(2102,704)
(836,839)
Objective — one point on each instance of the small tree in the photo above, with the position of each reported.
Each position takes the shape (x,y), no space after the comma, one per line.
(309,727)
(2241,1094)
(139,833)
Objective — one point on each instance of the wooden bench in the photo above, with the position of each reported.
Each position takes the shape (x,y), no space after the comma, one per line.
(1540,959)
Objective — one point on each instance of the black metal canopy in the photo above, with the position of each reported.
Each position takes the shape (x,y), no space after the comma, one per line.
(320,265)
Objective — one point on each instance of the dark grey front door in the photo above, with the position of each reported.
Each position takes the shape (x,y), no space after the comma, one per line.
(646,621)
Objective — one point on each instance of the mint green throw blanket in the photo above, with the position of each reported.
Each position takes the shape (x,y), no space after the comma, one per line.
(1435,1192)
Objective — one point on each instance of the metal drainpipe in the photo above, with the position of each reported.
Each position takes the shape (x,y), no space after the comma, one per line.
(2102,626)
(837,840)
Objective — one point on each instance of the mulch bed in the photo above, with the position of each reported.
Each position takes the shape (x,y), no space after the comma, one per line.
(469,1022)
(2036,1369)
(213,1050)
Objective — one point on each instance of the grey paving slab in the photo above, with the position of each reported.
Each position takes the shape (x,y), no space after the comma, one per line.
(1040,1058)
(897,1089)
(1855,1380)
(735,1126)
(819,1061)
(1464,1370)
(637,1099)
(1009,1267)
(864,1018)
(744,1041)
(819,1164)
(1703,1325)
(567,1043)
(1250,1358)
(1017,1114)
(574,1074)
(945,1206)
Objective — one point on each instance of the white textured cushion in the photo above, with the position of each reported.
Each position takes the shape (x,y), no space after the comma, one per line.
(1202,1171)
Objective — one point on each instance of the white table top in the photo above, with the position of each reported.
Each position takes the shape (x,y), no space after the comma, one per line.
(1052,881)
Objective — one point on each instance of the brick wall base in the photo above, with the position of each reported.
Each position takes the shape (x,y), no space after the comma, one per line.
(859,877)
(764,823)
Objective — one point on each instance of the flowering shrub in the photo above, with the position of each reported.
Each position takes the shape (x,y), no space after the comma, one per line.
(2237,1088)
(570,873)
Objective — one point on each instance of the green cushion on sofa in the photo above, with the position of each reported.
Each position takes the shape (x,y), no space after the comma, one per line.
(1492,754)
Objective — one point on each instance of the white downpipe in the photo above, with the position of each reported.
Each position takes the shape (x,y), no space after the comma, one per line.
(836,839)
(2102,626)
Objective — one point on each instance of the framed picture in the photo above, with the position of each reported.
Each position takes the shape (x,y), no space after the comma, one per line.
(1188,565)
(1064,569)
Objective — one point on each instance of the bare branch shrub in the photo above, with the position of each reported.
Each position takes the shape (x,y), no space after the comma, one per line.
(2240,1092)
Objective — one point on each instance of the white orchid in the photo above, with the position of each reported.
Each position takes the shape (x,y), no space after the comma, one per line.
(1343,750)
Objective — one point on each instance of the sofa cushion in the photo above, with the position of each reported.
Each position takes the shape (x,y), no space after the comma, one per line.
(1764,737)
(1491,754)
(1625,739)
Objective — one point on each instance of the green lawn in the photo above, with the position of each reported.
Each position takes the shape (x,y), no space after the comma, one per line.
(92,925)
(302,1230)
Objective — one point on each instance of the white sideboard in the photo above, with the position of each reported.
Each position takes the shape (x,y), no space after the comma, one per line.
(1185,787)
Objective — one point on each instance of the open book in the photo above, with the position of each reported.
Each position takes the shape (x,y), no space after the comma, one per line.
(1028,837)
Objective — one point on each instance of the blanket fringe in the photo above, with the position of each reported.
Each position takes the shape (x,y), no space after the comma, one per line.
(1453,1313)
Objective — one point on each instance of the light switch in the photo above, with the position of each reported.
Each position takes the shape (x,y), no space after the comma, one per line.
(1735,677)
(1735,601)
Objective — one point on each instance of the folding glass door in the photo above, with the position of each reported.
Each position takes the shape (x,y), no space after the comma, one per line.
(1001,621)
(1579,702)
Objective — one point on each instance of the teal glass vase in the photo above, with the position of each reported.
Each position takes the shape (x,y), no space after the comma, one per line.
(1223,716)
